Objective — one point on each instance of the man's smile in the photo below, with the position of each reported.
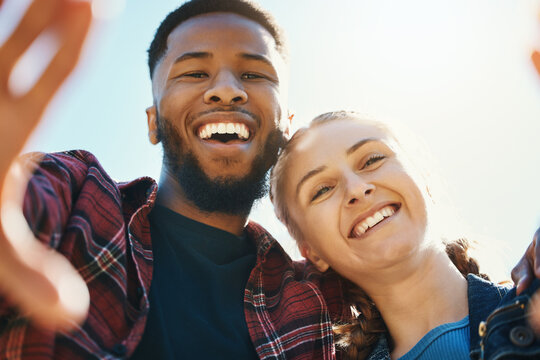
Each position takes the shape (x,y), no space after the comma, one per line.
(224,132)
(228,132)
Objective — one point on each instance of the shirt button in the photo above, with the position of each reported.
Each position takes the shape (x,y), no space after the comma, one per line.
(521,336)
(119,349)
(482,329)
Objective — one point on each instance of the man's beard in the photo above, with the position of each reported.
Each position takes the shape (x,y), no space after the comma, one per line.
(228,195)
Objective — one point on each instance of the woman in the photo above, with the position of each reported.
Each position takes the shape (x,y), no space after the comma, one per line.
(354,202)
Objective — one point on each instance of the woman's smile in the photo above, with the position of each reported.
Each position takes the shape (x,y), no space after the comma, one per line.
(366,223)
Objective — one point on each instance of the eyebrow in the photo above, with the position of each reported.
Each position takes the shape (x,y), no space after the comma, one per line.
(208,55)
(193,55)
(360,144)
(320,169)
(256,57)
(309,175)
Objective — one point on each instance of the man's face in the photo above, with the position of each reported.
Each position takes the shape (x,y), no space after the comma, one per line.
(219,86)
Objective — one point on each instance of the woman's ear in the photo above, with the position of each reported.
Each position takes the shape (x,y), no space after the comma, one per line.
(310,254)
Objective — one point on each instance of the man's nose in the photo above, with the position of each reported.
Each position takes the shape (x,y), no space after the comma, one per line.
(226,89)
(358,189)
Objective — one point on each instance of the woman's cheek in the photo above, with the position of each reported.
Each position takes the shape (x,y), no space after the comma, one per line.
(317,219)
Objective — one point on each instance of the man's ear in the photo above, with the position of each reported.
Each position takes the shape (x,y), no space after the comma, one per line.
(151,116)
(308,252)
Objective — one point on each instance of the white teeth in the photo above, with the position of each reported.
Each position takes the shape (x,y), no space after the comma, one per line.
(373,220)
(378,216)
(241,130)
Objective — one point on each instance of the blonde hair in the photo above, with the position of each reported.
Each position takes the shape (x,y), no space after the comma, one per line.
(357,338)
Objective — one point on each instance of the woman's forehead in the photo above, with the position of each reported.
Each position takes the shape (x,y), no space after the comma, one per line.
(326,145)
(338,135)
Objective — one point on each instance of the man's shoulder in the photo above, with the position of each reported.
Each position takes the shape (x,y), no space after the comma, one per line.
(69,157)
(268,248)
(82,163)
(483,297)
(77,176)
(279,271)
(72,165)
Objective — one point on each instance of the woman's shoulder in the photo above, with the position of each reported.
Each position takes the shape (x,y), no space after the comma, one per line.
(488,293)
(498,320)
(485,296)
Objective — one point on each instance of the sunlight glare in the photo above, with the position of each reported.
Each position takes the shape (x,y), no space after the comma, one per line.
(107,9)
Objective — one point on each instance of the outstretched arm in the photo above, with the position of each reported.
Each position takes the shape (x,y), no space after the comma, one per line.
(40,282)
(529,265)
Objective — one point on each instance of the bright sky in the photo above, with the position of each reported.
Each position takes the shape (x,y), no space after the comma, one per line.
(457,72)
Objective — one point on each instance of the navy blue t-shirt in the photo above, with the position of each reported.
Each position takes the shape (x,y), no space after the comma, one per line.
(197,291)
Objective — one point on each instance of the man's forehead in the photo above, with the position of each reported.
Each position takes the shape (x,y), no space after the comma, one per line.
(217,29)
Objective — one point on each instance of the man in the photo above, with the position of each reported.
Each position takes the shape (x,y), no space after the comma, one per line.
(172,271)
(177,272)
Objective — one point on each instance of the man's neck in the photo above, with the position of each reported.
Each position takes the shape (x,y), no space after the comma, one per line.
(171,196)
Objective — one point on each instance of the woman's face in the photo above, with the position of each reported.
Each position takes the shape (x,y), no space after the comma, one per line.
(354,202)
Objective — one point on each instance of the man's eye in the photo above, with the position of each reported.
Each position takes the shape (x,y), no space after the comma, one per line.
(321,191)
(196,75)
(372,160)
(251,76)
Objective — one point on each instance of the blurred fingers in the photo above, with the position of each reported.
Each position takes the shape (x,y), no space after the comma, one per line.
(38,280)
(44,286)
(39,15)
(74,26)
(536,241)
(522,273)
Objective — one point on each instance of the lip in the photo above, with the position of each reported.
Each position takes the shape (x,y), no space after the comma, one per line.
(370,212)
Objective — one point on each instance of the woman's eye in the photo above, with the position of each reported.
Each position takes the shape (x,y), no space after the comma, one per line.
(321,191)
(372,160)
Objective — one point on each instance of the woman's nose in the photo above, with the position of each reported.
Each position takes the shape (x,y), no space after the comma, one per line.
(358,189)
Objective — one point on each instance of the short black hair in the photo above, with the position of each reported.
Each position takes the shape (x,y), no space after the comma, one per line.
(193,8)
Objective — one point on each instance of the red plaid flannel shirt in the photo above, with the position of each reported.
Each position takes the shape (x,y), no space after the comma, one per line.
(102,227)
